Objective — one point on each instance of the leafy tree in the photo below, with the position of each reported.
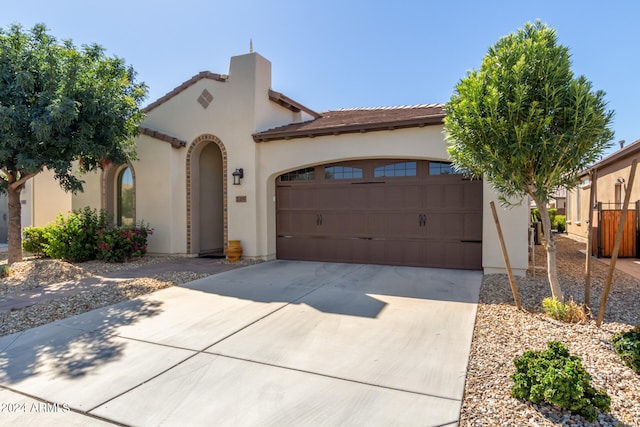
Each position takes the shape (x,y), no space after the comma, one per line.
(527,124)
(60,104)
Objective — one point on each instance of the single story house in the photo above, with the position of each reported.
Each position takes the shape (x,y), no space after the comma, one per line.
(224,157)
(611,182)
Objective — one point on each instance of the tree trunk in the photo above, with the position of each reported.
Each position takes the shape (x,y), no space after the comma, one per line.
(552,271)
(15,226)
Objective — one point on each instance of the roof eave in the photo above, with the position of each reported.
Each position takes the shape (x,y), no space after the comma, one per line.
(353,128)
(290,104)
(175,142)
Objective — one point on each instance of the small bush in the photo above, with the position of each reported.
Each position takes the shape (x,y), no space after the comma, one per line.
(561,223)
(555,377)
(569,312)
(627,345)
(34,240)
(552,215)
(122,244)
(74,238)
(5,271)
(535,215)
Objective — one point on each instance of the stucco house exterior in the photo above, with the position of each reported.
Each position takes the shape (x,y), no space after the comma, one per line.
(370,185)
(612,173)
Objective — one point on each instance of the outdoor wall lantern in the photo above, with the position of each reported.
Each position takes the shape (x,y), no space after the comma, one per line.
(237,176)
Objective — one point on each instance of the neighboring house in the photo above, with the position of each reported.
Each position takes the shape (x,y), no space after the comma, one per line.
(559,201)
(612,174)
(370,185)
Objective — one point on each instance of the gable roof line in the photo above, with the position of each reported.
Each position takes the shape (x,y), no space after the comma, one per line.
(290,104)
(193,80)
(175,142)
(629,150)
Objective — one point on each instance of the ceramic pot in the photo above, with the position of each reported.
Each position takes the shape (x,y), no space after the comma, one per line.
(234,251)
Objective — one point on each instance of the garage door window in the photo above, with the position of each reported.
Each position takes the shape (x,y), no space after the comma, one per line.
(396,169)
(442,168)
(306,174)
(342,172)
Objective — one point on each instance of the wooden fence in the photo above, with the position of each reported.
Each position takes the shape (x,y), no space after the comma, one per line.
(604,233)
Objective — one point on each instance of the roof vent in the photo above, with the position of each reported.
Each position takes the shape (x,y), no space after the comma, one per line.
(621,142)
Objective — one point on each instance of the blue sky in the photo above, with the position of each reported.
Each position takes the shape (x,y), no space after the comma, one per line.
(348,53)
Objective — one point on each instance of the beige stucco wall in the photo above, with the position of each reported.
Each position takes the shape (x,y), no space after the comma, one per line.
(48,199)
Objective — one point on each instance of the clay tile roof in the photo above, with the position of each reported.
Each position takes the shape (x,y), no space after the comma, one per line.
(358,120)
(175,142)
(193,80)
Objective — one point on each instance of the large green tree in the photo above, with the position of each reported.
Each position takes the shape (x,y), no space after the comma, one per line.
(60,104)
(527,124)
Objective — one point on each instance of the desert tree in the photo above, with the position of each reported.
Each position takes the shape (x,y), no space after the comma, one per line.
(527,124)
(59,105)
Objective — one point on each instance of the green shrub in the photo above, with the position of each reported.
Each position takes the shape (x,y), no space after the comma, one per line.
(561,223)
(5,271)
(74,238)
(627,345)
(555,377)
(552,215)
(535,215)
(570,312)
(123,243)
(34,240)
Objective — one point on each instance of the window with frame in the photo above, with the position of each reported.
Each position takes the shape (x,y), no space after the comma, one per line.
(305,174)
(618,195)
(125,211)
(442,168)
(396,169)
(342,172)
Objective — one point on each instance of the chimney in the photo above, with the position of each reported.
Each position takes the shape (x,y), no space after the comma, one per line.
(621,142)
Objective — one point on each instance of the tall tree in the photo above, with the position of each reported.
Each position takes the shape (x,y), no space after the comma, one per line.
(527,124)
(60,104)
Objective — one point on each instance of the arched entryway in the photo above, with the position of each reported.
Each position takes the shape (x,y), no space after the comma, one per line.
(206,195)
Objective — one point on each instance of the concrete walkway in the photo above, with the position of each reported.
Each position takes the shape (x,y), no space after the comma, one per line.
(279,343)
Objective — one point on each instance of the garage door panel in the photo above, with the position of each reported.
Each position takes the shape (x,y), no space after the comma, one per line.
(303,197)
(472,226)
(453,196)
(340,224)
(433,196)
(423,220)
(377,196)
(433,254)
(473,194)
(298,223)
(353,250)
(394,224)
(435,225)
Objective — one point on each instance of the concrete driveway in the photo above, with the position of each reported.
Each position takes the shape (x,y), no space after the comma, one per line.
(279,343)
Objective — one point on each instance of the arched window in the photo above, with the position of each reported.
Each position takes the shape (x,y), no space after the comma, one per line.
(125,201)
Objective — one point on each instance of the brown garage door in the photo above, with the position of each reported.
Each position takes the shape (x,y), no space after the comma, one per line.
(396,212)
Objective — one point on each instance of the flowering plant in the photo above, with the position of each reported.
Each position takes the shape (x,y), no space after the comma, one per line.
(120,244)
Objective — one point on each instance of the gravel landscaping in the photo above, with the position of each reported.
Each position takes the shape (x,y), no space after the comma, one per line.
(34,273)
(501,332)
